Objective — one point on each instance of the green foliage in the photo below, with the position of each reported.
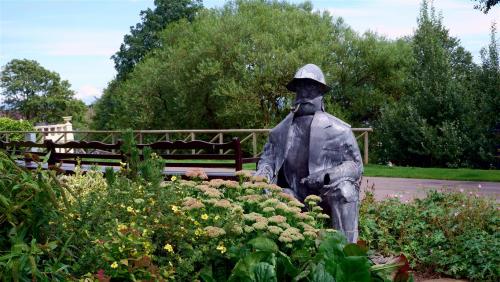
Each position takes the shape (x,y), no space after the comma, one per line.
(233,75)
(368,72)
(7,124)
(436,124)
(89,226)
(28,203)
(144,36)
(37,93)
(485,5)
(447,232)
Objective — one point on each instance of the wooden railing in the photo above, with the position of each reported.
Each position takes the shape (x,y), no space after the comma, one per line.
(251,139)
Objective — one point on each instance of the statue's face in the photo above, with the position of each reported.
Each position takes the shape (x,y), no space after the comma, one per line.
(308,99)
(306,91)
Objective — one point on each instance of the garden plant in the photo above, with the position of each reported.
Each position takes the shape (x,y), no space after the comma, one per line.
(130,225)
(448,232)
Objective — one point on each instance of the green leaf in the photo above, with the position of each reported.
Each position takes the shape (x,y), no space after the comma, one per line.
(244,267)
(319,274)
(354,268)
(354,250)
(286,264)
(264,272)
(264,244)
(206,275)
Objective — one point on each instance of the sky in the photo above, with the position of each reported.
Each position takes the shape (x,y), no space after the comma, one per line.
(76,38)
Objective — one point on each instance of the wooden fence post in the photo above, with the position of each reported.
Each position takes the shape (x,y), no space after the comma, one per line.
(237,153)
(366,148)
(51,148)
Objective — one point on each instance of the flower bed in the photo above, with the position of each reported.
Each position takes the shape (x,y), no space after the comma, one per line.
(451,233)
(143,229)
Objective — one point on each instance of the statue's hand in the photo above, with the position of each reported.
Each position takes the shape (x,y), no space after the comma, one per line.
(315,180)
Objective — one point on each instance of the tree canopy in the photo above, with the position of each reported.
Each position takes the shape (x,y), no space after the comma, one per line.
(144,36)
(228,67)
(438,123)
(37,93)
(485,5)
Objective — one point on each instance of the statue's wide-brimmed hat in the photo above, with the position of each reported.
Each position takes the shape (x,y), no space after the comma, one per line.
(312,73)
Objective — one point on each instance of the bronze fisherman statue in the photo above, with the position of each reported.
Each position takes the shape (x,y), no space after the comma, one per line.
(313,152)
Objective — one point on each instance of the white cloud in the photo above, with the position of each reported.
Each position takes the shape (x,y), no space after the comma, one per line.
(395,18)
(88,93)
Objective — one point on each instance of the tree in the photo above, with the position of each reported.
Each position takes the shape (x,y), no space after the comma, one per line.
(144,37)
(485,5)
(369,71)
(489,85)
(37,93)
(436,123)
(226,69)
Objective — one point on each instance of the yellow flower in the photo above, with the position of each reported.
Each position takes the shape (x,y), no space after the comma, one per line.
(114,265)
(173,178)
(217,217)
(156,220)
(122,227)
(175,209)
(168,248)
(204,216)
(221,248)
(198,232)
(130,209)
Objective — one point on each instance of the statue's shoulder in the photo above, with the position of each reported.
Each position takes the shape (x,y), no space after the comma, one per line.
(327,120)
(283,125)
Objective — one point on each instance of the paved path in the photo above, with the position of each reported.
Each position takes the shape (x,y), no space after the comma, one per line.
(407,189)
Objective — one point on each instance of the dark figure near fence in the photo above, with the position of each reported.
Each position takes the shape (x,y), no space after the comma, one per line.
(312,152)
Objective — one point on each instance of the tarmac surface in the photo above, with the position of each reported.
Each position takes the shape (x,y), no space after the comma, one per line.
(408,188)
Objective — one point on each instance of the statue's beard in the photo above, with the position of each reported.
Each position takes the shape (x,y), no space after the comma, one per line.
(302,108)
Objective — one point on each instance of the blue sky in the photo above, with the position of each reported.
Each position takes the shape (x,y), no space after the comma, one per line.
(76,38)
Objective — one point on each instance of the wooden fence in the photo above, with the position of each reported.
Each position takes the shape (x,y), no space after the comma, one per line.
(252,139)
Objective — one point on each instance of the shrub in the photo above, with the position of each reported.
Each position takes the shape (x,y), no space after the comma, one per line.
(28,203)
(452,233)
(7,124)
(130,226)
(212,230)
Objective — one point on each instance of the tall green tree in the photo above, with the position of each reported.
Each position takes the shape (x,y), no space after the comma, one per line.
(436,123)
(226,69)
(489,85)
(485,5)
(37,93)
(144,36)
(369,71)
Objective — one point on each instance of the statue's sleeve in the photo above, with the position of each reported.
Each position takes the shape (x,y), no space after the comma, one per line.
(351,167)
(266,163)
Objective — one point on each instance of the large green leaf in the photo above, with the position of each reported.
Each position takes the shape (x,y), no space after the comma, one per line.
(285,265)
(319,274)
(264,272)
(263,244)
(354,268)
(243,270)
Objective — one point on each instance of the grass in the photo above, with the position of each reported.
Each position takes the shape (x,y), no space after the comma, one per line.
(465,174)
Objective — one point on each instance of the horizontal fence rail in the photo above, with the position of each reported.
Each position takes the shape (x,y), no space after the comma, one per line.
(252,140)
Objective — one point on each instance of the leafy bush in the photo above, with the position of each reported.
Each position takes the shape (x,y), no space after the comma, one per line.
(212,230)
(7,124)
(28,201)
(451,233)
(132,226)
